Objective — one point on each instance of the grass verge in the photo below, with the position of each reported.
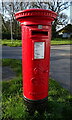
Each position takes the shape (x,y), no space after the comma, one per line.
(18,43)
(59,106)
(15,43)
(59,41)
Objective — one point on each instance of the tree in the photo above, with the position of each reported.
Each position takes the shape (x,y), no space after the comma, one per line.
(8,10)
(57,6)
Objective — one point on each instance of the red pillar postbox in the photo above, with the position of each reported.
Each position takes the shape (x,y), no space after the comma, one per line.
(36,35)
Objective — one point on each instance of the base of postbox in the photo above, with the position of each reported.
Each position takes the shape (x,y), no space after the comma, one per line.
(33,105)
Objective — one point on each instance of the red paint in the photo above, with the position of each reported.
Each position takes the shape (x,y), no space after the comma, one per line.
(35,71)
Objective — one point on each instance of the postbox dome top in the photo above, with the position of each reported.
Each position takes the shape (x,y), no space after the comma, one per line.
(22,15)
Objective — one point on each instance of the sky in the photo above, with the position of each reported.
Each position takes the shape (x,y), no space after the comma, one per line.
(67,11)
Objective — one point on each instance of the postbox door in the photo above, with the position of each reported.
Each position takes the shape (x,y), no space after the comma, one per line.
(36,57)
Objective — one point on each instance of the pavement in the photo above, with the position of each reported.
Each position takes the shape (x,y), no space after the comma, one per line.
(60,62)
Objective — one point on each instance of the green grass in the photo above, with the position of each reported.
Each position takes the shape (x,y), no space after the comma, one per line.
(16,43)
(59,41)
(59,106)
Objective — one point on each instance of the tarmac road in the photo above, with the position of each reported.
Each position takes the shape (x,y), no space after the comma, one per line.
(59,62)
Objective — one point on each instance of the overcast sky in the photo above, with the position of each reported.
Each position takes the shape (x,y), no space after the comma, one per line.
(67,11)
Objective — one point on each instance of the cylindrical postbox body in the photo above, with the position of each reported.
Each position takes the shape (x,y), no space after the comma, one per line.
(36,35)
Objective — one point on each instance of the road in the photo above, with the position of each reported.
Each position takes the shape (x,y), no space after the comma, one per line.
(59,62)
(61,65)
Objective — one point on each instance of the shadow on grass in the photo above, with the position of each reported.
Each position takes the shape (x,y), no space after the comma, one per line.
(53,111)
